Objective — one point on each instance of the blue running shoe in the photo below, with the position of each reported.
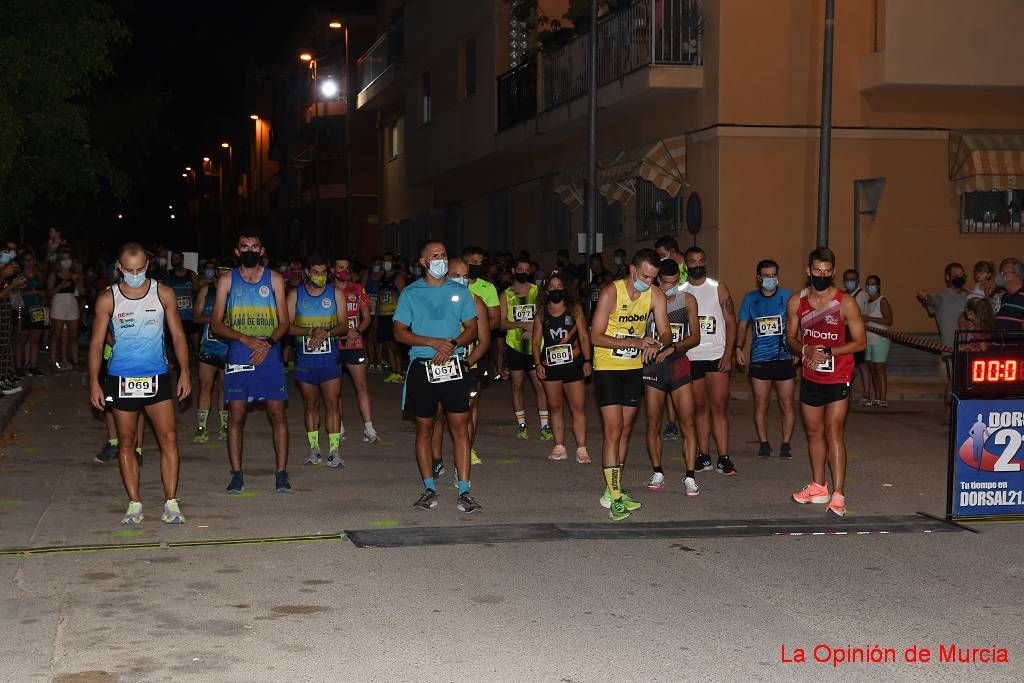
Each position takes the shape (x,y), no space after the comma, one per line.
(237,484)
(281,483)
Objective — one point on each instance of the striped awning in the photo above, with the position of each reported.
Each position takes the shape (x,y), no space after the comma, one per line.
(986,160)
(662,163)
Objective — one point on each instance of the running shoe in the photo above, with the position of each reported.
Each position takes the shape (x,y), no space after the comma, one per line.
(521,432)
(202,435)
(582,457)
(438,468)
(725,467)
(334,459)
(394,378)
(108,453)
(606,501)
(690,484)
(474,459)
(138,458)
(9,388)
(704,462)
(812,493)
(467,504)
(314,457)
(785,451)
(281,483)
(657,482)
(558,453)
(370,436)
(237,483)
(837,506)
(617,510)
(222,433)
(671,432)
(545,434)
(172,515)
(880,404)
(134,513)
(765,451)
(427,501)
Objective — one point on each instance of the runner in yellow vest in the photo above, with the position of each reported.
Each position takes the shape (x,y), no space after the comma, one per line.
(518,311)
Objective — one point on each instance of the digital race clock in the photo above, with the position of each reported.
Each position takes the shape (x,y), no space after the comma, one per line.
(995,369)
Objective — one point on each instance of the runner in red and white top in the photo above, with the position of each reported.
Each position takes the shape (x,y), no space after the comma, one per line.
(825,327)
(352,352)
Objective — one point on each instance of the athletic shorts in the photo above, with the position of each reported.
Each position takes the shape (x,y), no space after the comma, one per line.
(213,353)
(516,361)
(317,375)
(818,395)
(423,397)
(773,370)
(619,387)
(385,328)
(351,356)
(699,368)
(568,373)
(473,379)
(877,350)
(263,382)
(669,374)
(131,395)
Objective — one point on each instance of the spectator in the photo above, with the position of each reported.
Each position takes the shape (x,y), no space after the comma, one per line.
(877,314)
(63,287)
(619,262)
(32,318)
(980,319)
(11,281)
(946,307)
(1010,315)
(984,280)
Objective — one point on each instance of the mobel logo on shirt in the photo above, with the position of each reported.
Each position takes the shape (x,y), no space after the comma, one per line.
(635,318)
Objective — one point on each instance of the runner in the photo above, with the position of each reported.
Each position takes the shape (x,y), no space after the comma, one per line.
(251,314)
(518,310)
(598,277)
(817,321)
(352,353)
(392,282)
(771,363)
(851,285)
(185,284)
(138,378)
(711,364)
(313,309)
(212,356)
(564,357)
(667,247)
(668,374)
(620,351)
(488,294)
(437,318)
(371,283)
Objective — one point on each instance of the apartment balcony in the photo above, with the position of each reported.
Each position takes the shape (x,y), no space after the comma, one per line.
(647,48)
(377,70)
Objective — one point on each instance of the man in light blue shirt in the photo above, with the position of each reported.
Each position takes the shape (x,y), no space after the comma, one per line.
(436,318)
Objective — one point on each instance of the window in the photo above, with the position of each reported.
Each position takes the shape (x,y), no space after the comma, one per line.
(657,213)
(469,68)
(556,220)
(425,98)
(988,212)
(394,139)
(609,220)
(500,237)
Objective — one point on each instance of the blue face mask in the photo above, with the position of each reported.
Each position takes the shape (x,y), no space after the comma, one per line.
(461,279)
(871,289)
(770,283)
(133,280)
(640,286)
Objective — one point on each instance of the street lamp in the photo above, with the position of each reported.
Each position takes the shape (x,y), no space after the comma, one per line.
(254,117)
(188,168)
(306,57)
(338,26)
(329,88)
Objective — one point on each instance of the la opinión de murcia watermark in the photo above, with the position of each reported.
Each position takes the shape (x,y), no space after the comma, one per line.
(840,655)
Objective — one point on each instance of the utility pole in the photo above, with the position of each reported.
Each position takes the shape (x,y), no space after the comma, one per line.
(591,197)
(825,143)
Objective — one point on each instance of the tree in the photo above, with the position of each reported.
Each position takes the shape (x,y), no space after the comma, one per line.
(52,55)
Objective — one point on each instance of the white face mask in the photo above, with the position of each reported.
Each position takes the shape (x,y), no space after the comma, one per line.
(386,266)
(65,264)
(438,268)
(461,279)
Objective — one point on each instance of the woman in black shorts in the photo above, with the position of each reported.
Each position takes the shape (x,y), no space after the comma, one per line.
(562,354)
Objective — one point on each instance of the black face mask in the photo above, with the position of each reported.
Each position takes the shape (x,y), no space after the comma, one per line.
(556,296)
(697,272)
(522,278)
(250,259)
(476,272)
(959,282)
(821,282)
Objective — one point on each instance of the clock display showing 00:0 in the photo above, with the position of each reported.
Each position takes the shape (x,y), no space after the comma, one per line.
(991,371)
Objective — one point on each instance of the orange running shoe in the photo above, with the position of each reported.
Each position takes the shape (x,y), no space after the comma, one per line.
(837,506)
(812,493)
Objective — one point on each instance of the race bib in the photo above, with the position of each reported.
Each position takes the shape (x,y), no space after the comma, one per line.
(373,304)
(830,362)
(559,355)
(312,348)
(523,313)
(628,353)
(768,326)
(708,324)
(385,296)
(677,332)
(137,387)
(232,368)
(38,315)
(184,302)
(351,323)
(448,371)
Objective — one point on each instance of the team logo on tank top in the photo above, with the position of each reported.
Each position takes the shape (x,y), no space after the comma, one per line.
(264,291)
(325,302)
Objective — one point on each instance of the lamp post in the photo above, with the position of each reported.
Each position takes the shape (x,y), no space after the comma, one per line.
(337,25)
(229,210)
(306,57)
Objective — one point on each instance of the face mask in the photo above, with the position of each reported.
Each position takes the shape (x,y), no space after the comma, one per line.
(386,266)
(522,278)
(318,280)
(850,285)
(6,257)
(161,261)
(1000,281)
(959,282)
(617,260)
(697,272)
(250,259)
(871,289)
(343,275)
(65,264)
(133,280)
(376,268)
(210,273)
(476,272)
(640,286)
(283,270)
(556,296)
(672,291)
(438,268)
(770,283)
(821,282)
(461,279)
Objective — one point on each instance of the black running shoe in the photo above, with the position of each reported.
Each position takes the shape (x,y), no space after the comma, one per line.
(785,451)
(725,467)
(237,484)
(438,468)
(281,483)
(108,453)
(765,451)
(703,462)
(427,501)
(467,504)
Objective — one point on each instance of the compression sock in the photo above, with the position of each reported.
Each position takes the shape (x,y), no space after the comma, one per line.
(335,441)
(659,470)
(428,484)
(314,439)
(223,419)
(114,441)
(463,486)
(690,474)
(613,479)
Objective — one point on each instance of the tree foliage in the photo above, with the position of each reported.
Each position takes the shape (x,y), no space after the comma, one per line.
(52,55)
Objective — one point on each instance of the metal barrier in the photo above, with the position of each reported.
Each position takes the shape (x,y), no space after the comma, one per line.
(380,56)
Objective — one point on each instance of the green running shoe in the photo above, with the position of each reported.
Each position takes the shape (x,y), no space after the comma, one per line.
(521,432)
(201,435)
(606,501)
(618,512)
(474,459)
(545,434)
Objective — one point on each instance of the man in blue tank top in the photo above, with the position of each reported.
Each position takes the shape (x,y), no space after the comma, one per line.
(764,311)
(251,314)
(137,376)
